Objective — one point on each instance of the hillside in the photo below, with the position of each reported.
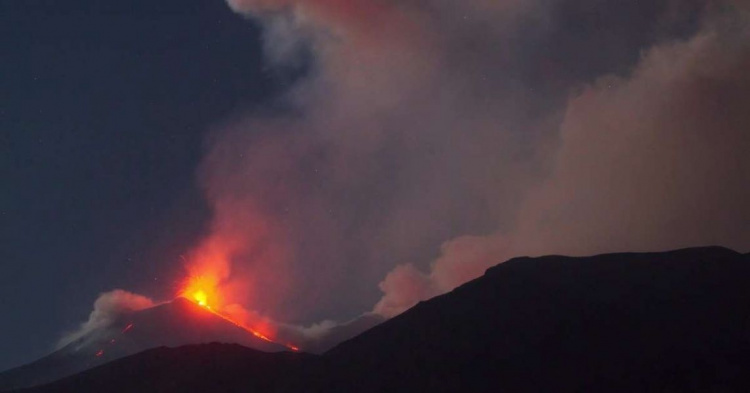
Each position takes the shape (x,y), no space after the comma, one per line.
(654,322)
(196,368)
(176,323)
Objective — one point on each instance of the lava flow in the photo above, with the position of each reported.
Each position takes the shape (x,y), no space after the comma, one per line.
(127,328)
(202,290)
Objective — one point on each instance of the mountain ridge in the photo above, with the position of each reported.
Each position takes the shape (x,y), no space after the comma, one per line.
(175,323)
(648,322)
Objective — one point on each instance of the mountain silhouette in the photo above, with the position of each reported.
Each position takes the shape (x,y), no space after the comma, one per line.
(176,323)
(648,322)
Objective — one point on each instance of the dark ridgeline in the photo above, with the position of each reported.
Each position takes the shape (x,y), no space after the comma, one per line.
(172,324)
(657,322)
(194,368)
(675,321)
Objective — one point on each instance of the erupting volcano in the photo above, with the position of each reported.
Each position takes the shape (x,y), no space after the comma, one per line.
(194,317)
(204,291)
(201,290)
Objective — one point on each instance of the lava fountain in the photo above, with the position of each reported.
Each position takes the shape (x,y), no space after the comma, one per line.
(204,290)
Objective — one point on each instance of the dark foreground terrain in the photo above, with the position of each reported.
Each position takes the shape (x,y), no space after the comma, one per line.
(173,324)
(662,322)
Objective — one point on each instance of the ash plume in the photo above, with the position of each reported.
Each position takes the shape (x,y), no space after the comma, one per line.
(429,140)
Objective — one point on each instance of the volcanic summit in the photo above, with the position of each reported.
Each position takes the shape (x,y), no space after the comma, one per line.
(175,323)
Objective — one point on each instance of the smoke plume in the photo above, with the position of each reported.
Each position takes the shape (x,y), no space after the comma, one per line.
(107,308)
(428,140)
(649,161)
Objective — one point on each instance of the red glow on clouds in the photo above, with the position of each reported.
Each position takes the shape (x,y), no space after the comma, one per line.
(259,277)
(206,291)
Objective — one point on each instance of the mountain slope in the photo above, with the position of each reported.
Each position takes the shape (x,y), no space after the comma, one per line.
(618,322)
(195,368)
(172,324)
(655,322)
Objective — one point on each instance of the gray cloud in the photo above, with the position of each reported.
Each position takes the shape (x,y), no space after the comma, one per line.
(657,159)
(107,308)
(430,140)
(650,161)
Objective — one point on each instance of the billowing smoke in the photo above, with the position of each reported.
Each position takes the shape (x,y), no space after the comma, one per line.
(107,308)
(649,161)
(657,159)
(391,143)
(427,140)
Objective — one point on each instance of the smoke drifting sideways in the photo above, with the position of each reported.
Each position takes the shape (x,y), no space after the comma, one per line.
(107,308)
(649,161)
(427,125)
(429,140)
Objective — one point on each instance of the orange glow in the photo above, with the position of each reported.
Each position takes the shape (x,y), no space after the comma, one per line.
(201,298)
(248,329)
(204,291)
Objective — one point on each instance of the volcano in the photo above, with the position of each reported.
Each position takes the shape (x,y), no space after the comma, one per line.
(654,322)
(176,323)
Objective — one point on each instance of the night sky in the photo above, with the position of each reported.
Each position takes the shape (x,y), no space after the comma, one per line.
(318,163)
(103,113)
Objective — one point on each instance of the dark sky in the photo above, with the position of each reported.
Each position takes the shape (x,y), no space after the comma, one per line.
(103,111)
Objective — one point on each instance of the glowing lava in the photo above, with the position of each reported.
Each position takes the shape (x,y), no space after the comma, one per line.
(127,328)
(201,298)
(203,291)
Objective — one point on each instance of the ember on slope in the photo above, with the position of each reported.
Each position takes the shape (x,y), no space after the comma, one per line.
(205,292)
(112,341)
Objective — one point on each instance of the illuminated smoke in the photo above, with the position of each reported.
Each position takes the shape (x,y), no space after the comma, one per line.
(374,164)
(429,140)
